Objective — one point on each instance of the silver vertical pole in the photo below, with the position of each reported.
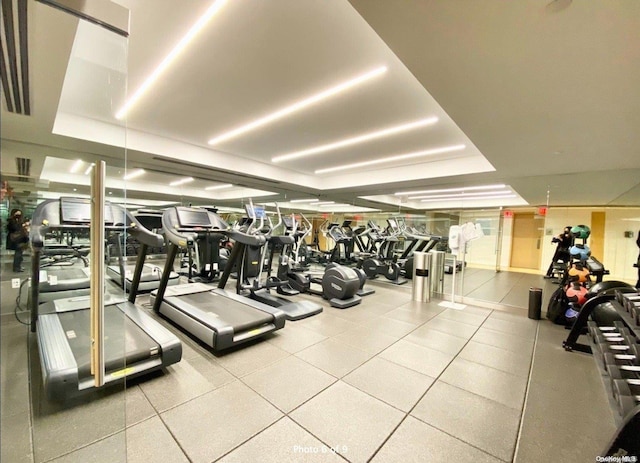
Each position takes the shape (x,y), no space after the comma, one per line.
(97,273)
(464,260)
(453,280)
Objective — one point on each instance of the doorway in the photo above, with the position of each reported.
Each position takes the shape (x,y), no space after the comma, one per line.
(526,249)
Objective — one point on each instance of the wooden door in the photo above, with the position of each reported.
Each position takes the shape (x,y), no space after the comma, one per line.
(596,240)
(526,244)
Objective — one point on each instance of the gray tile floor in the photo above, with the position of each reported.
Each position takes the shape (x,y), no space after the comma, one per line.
(390,380)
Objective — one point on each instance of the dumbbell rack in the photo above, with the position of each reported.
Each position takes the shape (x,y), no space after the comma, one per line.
(629,328)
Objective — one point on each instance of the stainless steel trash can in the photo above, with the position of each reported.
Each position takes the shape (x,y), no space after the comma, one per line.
(421,281)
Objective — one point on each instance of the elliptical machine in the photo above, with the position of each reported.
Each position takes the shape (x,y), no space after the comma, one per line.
(378,264)
(339,284)
(251,267)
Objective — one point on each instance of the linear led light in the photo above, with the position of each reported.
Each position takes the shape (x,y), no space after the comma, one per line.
(182,181)
(462,195)
(219,187)
(280,113)
(76,166)
(450,190)
(173,54)
(304,200)
(324,203)
(354,140)
(88,170)
(400,157)
(470,199)
(134,174)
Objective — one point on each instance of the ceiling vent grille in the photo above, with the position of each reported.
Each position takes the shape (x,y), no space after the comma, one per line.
(14,68)
(23,167)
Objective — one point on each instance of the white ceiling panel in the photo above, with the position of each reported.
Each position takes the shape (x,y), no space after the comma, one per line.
(543,99)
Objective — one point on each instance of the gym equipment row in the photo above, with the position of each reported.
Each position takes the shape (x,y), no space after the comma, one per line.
(618,353)
(612,321)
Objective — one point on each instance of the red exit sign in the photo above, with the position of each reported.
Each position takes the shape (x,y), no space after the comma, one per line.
(508,214)
(542,210)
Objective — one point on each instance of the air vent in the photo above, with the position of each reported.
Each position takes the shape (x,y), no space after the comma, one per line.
(14,70)
(13,179)
(23,167)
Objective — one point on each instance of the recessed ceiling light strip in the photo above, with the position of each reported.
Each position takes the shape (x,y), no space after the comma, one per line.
(279,114)
(304,200)
(166,62)
(134,174)
(354,140)
(469,199)
(219,187)
(450,190)
(463,195)
(182,181)
(76,166)
(400,157)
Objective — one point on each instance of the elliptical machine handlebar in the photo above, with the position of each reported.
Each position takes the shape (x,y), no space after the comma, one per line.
(308,227)
(279,220)
(251,229)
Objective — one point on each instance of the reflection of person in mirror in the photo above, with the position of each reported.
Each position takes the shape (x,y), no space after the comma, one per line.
(564,241)
(17,237)
(638,263)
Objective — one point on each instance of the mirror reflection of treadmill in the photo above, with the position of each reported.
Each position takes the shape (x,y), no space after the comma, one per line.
(219,318)
(135,343)
(72,281)
(151,273)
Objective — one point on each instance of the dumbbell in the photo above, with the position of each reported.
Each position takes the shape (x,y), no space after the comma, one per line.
(627,394)
(620,354)
(610,337)
(634,311)
(627,298)
(607,331)
(630,357)
(618,345)
(619,374)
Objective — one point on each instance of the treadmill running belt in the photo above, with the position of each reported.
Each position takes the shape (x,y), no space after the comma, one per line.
(69,274)
(233,313)
(147,272)
(67,279)
(125,342)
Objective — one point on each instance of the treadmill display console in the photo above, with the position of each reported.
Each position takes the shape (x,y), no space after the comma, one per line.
(288,222)
(193,218)
(78,211)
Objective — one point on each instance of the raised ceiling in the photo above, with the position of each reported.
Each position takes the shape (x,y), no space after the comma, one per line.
(539,100)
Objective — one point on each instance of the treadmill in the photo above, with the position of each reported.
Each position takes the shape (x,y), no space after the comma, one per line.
(135,343)
(122,274)
(219,318)
(62,279)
